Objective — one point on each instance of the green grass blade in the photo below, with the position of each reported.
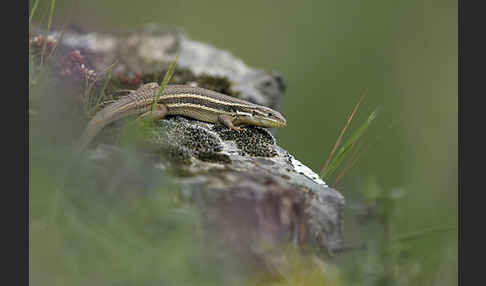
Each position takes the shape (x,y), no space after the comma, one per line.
(30,72)
(32,12)
(63,29)
(340,138)
(166,80)
(348,146)
(107,80)
(51,13)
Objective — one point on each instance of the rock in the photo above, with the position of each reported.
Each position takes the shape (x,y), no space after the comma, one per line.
(247,187)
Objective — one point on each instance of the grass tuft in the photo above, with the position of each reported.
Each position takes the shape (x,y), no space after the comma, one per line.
(348,146)
(92,100)
(338,141)
(63,30)
(51,13)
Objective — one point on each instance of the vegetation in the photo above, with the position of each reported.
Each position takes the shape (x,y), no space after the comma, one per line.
(81,232)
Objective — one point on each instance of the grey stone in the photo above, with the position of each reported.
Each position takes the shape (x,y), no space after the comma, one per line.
(247,187)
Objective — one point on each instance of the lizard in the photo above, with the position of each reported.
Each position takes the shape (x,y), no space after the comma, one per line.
(194,102)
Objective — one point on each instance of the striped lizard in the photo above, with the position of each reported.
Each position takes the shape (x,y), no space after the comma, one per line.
(194,102)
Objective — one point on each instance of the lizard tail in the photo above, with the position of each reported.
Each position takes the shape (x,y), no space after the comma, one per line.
(88,134)
(125,106)
(107,115)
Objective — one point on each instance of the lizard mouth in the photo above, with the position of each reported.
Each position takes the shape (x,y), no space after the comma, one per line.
(280,124)
(271,123)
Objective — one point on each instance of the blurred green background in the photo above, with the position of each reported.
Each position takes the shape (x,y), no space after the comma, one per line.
(403,52)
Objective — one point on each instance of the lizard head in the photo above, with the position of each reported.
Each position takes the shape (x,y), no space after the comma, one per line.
(260,116)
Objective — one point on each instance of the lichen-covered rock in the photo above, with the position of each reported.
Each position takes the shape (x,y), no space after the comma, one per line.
(246,179)
(248,188)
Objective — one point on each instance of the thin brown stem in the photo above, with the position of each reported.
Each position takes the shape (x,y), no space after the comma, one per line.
(352,161)
(340,138)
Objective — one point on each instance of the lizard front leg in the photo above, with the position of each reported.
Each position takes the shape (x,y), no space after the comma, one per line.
(227,121)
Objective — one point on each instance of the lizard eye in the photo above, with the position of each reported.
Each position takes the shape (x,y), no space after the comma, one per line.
(269,114)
